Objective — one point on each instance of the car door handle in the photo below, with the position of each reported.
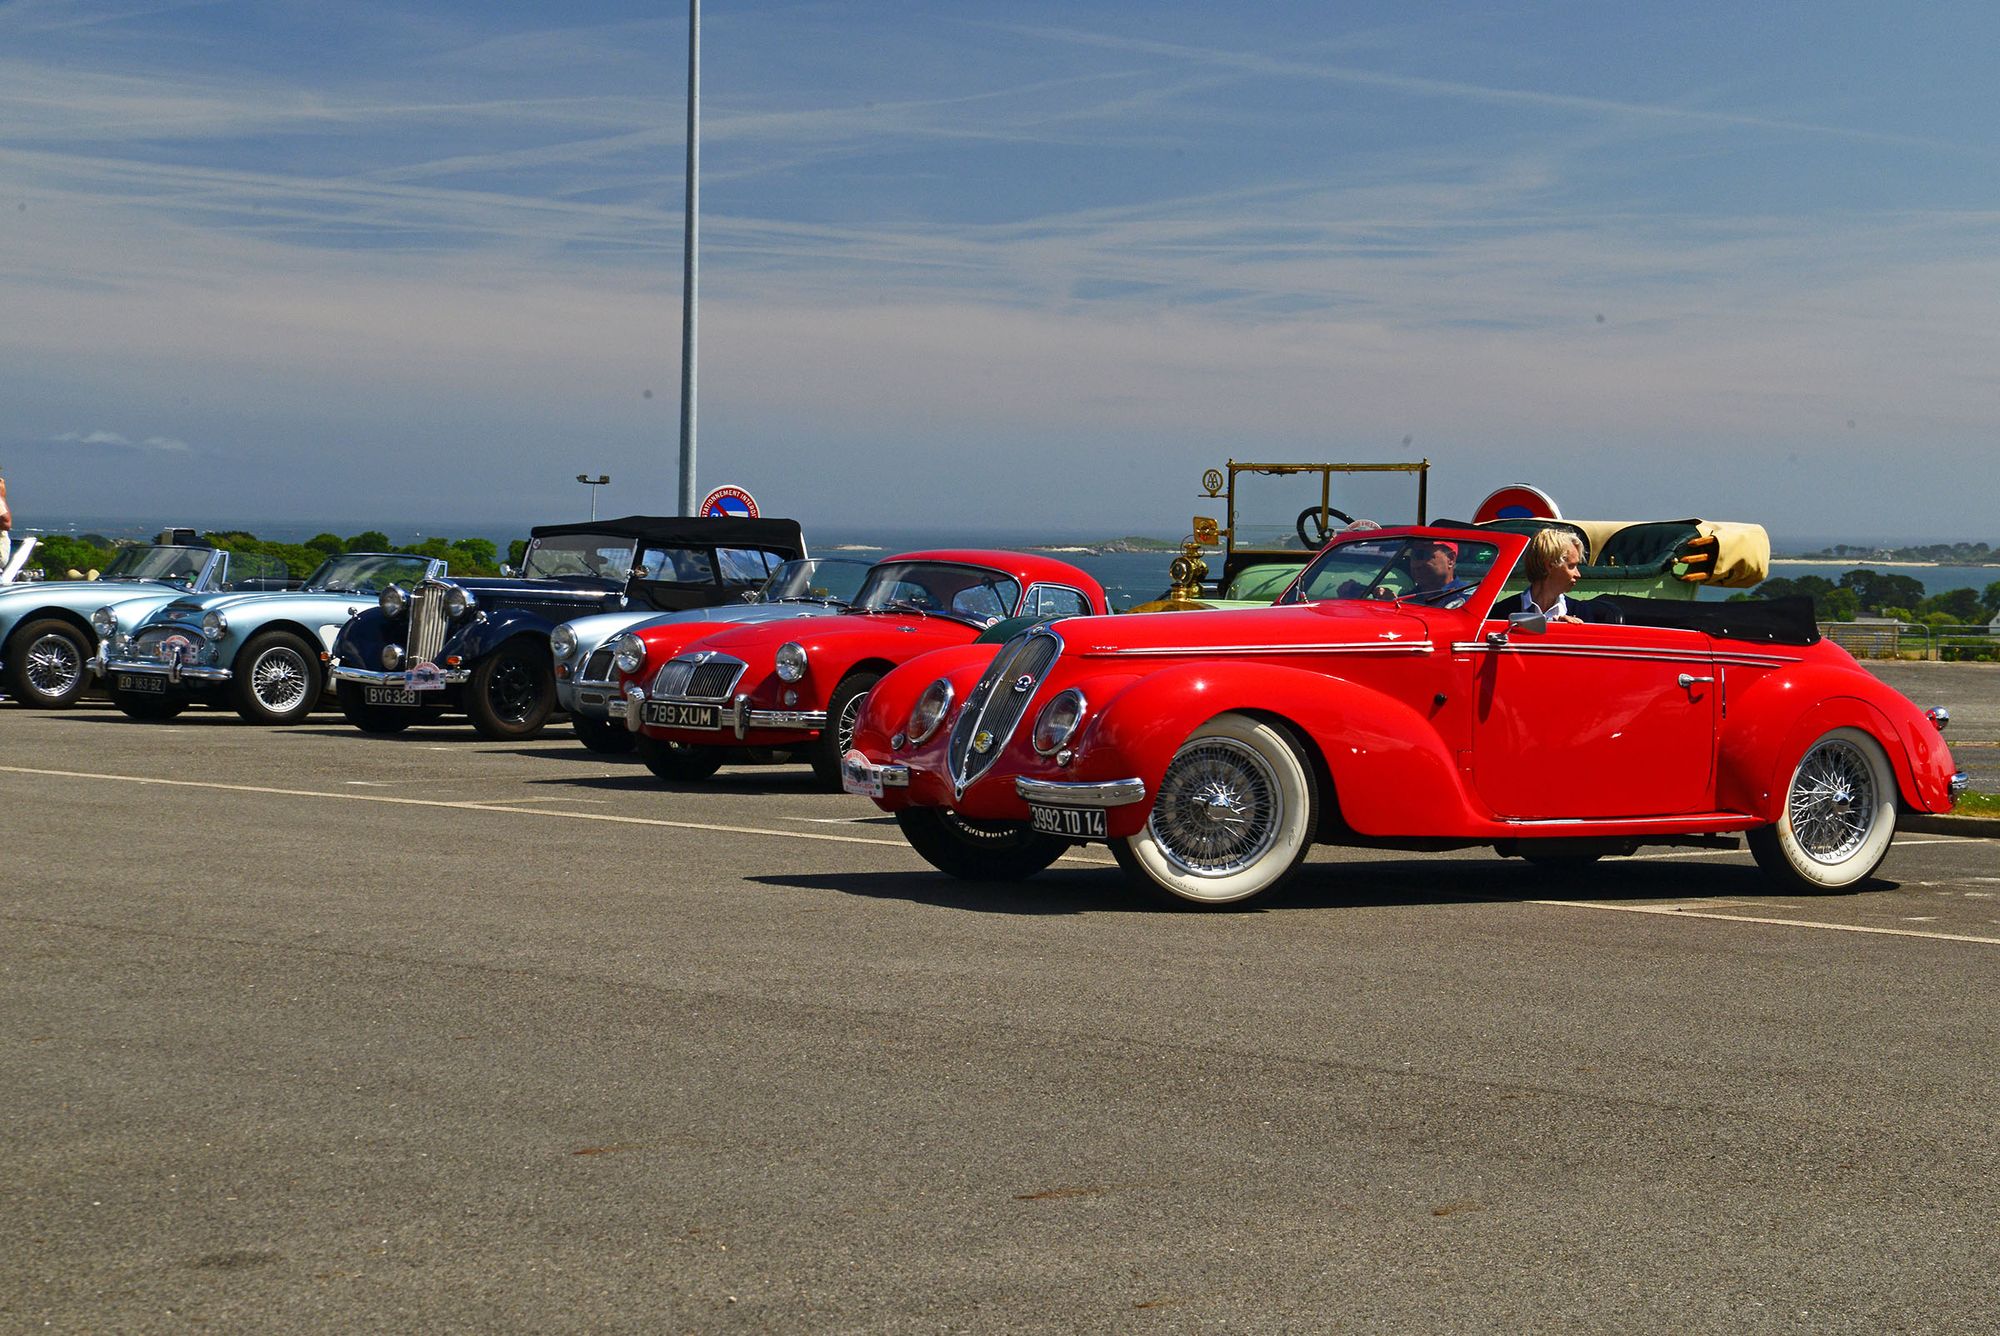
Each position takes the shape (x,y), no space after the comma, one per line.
(1687,680)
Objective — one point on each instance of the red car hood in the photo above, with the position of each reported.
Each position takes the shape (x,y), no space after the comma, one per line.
(896,635)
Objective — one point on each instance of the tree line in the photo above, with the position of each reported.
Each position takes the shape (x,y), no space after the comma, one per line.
(1866,593)
(59,554)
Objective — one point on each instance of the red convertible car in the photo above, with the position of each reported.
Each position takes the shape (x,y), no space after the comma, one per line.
(798,686)
(1212,749)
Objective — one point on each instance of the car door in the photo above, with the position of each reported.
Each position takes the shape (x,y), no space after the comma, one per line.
(1590,721)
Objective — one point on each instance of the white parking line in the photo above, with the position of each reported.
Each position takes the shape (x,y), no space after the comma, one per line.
(1675,911)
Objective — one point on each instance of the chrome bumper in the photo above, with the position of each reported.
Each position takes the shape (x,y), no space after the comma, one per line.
(1959,782)
(175,673)
(1060,793)
(339,673)
(737,715)
(859,775)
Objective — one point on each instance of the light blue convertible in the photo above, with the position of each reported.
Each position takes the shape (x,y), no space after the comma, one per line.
(264,654)
(806,587)
(45,631)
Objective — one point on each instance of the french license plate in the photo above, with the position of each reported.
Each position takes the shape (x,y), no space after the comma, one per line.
(142,682)
(673,714)
(391,696)
(1078,823)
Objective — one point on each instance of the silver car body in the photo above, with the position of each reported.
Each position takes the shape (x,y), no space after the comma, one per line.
(197,640)
(138,580)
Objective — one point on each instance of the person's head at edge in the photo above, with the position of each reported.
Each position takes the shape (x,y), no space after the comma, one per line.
(1551,564)
(1432,563)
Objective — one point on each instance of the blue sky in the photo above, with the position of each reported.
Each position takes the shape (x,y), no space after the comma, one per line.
(999,266)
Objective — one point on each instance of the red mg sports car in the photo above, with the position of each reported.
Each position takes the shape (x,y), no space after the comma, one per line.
(1211,749)
(798,685)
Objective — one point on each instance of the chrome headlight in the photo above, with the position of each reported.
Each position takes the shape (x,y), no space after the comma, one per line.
(392,657)
(929,711)
(629,653)
(214,625)
(791,661)
(1057,722)
(393,600)
(458,602)
(562,642)
(105,622)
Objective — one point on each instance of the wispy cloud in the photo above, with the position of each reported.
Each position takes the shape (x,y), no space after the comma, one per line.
(163,444)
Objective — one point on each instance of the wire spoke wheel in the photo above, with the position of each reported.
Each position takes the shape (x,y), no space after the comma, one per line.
(1832,801)
(54,666)
(279,679)
(45,664)
(1839,816)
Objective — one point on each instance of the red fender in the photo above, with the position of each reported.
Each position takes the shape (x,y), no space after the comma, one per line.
(1378,750)
(1773,722)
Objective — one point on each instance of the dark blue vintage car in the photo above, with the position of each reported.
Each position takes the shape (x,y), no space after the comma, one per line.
(481,645)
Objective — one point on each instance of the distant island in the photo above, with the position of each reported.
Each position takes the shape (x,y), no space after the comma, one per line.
(1129,543)
(1939,554)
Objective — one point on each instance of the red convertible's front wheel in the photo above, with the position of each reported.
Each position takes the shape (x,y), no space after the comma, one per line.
(1840,815)
(1234,816)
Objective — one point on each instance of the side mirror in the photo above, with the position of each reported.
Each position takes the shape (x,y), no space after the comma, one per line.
(1528,623)
(506,569)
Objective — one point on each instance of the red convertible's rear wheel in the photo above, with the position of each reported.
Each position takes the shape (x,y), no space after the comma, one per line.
(1840,815)
(1234,816)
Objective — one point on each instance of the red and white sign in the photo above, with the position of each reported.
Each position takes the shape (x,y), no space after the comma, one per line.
(729,503)
(1517,502)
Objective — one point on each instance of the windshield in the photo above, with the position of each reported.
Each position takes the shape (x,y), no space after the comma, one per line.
(183,565)
(968,593)
(572,554)
(1276,506)
(1423,570)
(366,573)
(815,580)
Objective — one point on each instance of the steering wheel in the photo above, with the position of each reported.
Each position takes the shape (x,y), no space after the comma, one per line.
(1319,525)
(1452,595)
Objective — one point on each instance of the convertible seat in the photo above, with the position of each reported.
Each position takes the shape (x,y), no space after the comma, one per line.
(1770,621)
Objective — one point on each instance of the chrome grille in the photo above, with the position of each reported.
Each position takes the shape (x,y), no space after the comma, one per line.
(427,622)
(153,643)
(697,677)
(597,668)
(997,704)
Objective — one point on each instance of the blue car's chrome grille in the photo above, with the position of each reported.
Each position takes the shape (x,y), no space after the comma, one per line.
(996,705)
(427,622)
(697,677)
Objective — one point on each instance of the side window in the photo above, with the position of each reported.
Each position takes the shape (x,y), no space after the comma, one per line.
(1056,601)
(742,565)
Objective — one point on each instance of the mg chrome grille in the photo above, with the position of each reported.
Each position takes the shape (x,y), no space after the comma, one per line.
(427,622)
(697,677)
(996,705)
(597,668)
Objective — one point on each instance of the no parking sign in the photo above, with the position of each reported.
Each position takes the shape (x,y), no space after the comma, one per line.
(1516,502)
(728,503)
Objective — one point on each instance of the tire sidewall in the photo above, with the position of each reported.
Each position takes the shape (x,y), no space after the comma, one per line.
(479,701)
(1810,873)
(1144,859)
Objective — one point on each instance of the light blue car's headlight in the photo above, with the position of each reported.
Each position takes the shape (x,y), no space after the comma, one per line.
(105,622)
(214,625)
(791,661)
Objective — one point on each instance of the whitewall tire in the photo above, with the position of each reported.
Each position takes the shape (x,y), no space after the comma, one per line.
(1839,817)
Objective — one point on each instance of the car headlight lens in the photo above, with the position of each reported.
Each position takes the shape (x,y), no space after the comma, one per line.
(791,661)
(1056,724)
(562,642)
(929,711)
(629,653)
(393,600)
(392,657)
(457,602)
(105,622)
(214,625)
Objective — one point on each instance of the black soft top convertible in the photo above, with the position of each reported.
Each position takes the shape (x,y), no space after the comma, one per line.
(776,535)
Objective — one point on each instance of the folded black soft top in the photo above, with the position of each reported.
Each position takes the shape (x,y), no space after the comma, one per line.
(772,535)
(1774,621)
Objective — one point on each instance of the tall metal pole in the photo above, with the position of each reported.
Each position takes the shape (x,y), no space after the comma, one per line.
(690,272)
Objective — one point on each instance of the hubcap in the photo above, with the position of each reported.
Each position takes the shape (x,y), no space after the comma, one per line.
(1832,803)
(513,692)
(53,666)
(1217,812)
(279,679)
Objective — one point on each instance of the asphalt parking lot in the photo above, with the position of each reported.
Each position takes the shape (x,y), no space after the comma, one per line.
(310,1029)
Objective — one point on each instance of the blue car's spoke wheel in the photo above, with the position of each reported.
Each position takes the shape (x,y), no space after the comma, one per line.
(1234,816)
(1839,817)
(277,679)
(45,664)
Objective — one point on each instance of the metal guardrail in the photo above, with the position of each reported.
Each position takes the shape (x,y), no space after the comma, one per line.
(1914,640)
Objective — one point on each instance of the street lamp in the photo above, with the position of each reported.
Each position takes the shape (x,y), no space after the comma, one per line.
(593,484)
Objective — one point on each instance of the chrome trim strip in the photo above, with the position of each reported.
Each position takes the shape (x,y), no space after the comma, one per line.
(1737,658)
(1220,651)
(1726,819)
(452,676)
(1100,793)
